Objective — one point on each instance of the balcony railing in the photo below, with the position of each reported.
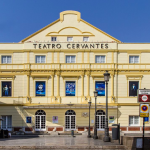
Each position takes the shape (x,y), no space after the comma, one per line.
(74,66)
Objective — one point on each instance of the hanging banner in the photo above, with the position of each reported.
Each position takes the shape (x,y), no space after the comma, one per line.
(70,88)
(28,119)
(40,88)
(143,96)
(100,88)
(55,119)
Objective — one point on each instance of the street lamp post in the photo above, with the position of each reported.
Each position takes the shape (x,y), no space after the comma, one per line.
(106,137)
(89,131)
(95,129)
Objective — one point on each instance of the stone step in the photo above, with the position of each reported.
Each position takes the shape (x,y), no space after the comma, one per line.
(108,147)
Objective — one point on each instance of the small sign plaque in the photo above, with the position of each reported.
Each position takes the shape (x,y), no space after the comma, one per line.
(144,110)
(144,95)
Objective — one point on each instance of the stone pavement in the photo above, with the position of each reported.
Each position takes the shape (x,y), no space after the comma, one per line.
(59,142)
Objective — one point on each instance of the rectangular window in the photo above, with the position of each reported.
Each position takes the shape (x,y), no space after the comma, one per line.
(40,59)
(69,39)
(6,88)
(70,88)
(53,38)
(7,122)
(85,39)
(99,59)
(6,59)
(133,87)
(133,120)
(100,87)
(133,59)
(70,59)
(40,88)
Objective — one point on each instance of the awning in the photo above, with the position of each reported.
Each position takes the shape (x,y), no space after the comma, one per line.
(53,106)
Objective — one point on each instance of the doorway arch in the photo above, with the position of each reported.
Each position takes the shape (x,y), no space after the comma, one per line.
(70,120)
(40,120)
(100,120)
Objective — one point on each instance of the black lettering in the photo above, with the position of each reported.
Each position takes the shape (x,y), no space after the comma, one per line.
(106,46)
(68,46)
(91,46)
(48,45)
(102,45)
(53,45)
(77,46)
(73,46)
(39,46)
(83,45)
(35,45)
(58,46)
(97,45)
(44,46)
(86,46)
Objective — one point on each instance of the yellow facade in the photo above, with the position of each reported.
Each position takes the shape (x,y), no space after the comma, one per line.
(23,72)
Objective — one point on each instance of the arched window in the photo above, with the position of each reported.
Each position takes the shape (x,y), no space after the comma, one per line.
(70,112)
(40,112)
(100,112)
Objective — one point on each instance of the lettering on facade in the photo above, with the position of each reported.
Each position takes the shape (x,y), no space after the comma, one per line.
(72,46)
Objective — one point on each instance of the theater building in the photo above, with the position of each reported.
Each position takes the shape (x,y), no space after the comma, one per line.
(49,77)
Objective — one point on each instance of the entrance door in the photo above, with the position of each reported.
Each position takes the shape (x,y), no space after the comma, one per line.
(70,120)
(100,120)
(40,119)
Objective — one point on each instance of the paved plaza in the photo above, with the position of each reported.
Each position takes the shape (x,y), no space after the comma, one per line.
(60,142)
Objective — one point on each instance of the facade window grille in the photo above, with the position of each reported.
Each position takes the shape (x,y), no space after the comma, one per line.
(99,59)
(70,59)
(53,38)
(7,122)
(85,39)
(40,59)
(6,59)
(133,59)
(69,39)
(133,120)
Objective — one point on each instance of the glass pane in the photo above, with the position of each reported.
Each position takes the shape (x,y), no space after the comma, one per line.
(136,59)
(9,121)
(4,122)
(69,38)
(85,38)
(4,59)
(97,59)
(131,59)
(9,59)
(130,120)
(38,59)
(102,59)
(42,59)
(73,59)
(53,39)
(67,59)
(136,120)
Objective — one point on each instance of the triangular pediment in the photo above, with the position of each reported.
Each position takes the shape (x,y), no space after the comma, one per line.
(70,24)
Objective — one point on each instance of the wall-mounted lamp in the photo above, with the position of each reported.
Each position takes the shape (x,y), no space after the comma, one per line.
(55,98)
(28,98)
(85,98)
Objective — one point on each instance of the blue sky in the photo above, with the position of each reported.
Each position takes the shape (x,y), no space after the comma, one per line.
(126,20)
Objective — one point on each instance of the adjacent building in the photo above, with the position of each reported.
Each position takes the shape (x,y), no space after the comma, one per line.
(49,77)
